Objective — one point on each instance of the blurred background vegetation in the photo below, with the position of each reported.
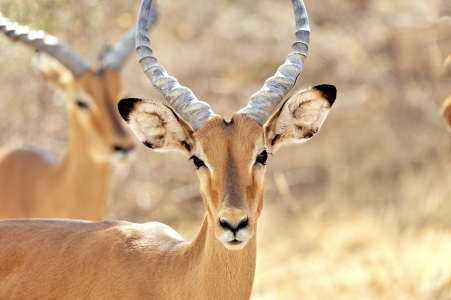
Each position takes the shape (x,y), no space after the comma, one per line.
(360,212)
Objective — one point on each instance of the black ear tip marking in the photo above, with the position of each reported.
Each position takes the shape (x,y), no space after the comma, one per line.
(148,145)
(328,91)
(126,106)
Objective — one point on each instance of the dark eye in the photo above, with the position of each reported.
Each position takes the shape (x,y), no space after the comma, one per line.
(262,157)
(82,104)
(197,162)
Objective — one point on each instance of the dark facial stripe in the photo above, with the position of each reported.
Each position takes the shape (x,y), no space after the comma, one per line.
(233,183)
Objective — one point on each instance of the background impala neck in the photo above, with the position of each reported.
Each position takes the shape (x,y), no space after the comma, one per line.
(82,180)
(224,274)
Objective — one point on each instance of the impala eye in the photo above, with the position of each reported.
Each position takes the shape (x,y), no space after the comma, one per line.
(197,162)
(82,104)
(262,157)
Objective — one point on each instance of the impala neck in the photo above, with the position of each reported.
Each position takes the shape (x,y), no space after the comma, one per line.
(223,274)
(82,180)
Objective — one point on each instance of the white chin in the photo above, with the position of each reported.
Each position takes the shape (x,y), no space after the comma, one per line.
(235,246)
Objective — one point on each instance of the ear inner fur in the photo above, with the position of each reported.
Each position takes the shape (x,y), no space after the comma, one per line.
(300,117)
(156,125)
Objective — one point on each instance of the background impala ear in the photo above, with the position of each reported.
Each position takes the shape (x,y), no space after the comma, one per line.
(156,125)
(446,112)
(54,73)
(300,117)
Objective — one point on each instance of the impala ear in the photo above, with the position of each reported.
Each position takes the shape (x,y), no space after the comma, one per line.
(156,125)
(446,112)
(54,73)
(440,31)
(300,117)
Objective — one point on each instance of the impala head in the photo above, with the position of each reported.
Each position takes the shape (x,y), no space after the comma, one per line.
(230,156)
(92,96)
(91,102)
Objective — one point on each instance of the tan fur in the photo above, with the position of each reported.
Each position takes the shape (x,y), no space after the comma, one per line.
(118,260)
(35,185)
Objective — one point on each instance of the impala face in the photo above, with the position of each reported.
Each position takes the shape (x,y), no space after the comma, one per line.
(91,103)
(95,108)
(230,157)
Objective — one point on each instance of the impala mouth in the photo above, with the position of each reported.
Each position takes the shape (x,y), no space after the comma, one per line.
(235,242)
(122,158)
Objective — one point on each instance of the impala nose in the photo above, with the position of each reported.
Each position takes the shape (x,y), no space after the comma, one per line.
(233,221)
(227,225)
(234,228)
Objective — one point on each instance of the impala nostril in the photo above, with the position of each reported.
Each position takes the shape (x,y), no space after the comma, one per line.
(226,225)
(242,224)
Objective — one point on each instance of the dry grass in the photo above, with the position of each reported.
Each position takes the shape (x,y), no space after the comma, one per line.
(354,257)
(360,212)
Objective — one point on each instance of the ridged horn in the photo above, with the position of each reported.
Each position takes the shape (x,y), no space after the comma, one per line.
(263,103)
(117,55)
(46,43)
(181,98)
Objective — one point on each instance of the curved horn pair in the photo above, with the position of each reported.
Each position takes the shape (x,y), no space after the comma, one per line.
(195,112)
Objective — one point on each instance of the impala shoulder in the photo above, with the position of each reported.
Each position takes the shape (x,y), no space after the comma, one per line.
(45,156)
(152,235)
(28,155)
